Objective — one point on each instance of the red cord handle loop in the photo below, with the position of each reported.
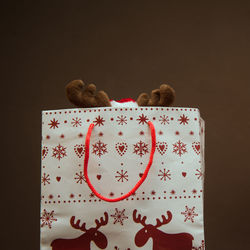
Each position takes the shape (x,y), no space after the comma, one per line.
(138,184)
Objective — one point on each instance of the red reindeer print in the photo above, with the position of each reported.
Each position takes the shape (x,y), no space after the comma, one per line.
(161,240)
(84,240)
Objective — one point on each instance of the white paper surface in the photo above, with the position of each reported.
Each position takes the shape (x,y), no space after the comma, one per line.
(119,152)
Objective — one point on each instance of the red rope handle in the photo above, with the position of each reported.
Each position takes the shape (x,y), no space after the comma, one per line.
(138,184)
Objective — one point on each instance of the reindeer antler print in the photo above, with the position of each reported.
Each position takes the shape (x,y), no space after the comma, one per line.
(102,221)
(138,219)
(77,224)
(164,220)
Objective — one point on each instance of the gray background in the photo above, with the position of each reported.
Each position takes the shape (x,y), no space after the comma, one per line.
(201,48)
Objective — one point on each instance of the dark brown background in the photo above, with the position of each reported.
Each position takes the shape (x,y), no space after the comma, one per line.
(201,48)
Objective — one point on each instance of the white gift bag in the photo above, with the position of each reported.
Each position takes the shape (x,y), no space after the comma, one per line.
(122,178)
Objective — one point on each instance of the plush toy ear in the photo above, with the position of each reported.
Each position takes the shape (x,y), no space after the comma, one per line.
(85,96)
(164,97)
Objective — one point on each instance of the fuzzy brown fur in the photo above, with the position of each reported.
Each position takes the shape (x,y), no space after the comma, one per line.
(86,96)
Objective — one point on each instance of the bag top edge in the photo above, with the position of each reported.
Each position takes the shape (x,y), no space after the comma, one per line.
(120,109)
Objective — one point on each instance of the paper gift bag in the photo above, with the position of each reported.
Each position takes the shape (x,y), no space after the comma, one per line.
(122,178)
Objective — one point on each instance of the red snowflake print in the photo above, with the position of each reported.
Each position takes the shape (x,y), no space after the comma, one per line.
(76,122)
(201,247)
(121,120)
(179,148)
(140,148)
(183,119)
(47,218)
(153,192)
(142,119)
(199,174)
(99,148)
(79,177)
(164,174)
(122,175)
(189,214)
(45,151)
(99,121)
(194,191)
(92,195)
(54,123)
(45,179)
(119,216)
(164,119)
(172,192)
(160,132)
(59,152)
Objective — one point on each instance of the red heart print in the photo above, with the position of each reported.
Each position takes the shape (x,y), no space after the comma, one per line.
(44,152)
(162,147)
(141,174)
(79,150)
(184,174)
(196,147)
(121,148)
(58,178)
(99,177)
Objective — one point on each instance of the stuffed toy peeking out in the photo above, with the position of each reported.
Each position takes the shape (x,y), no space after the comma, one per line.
(85,96)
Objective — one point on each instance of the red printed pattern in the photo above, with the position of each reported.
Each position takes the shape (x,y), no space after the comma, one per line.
(79,150)
(196,147)
(162,147)
(161,240)
(141,148)
(83,241)
(121,148)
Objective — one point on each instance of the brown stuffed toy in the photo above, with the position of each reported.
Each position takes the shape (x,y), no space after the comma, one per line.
(86,96)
